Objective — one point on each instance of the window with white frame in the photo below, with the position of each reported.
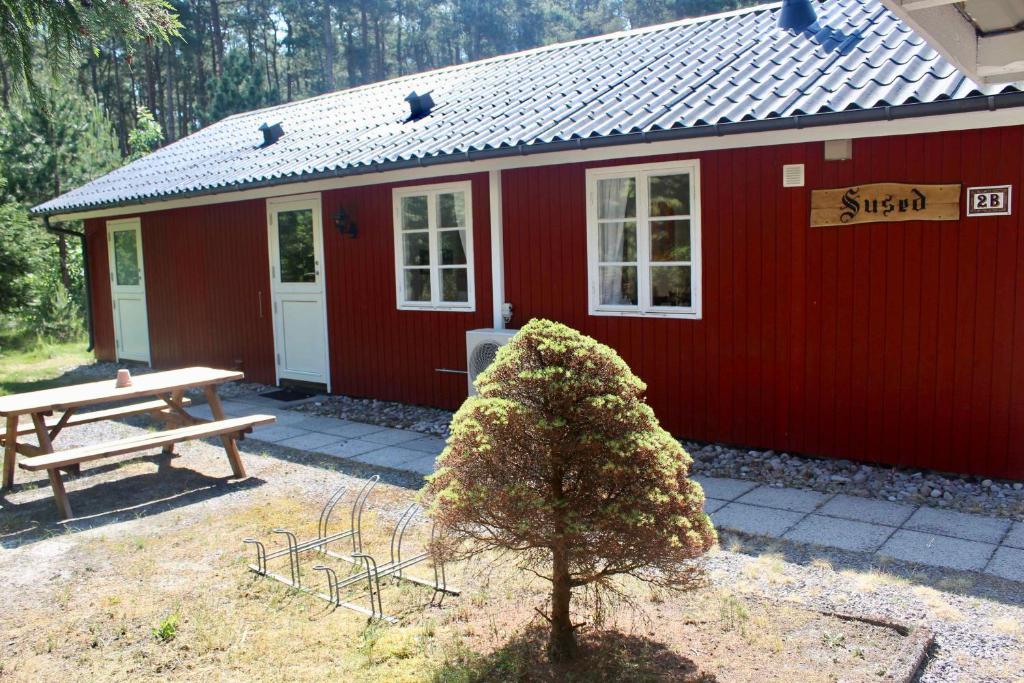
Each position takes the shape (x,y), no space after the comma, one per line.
(434,247)
(643,240)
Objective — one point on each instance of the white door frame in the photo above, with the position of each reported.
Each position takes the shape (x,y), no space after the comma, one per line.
(274,205)
(121,225)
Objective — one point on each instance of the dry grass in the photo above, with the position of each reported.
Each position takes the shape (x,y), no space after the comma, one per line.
(174,601)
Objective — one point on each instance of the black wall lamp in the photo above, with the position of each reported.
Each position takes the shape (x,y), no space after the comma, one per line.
(344,223)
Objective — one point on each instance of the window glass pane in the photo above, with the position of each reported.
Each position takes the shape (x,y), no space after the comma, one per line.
(414,213)
(616,198)
(417,284)
(670,286)
(417,249)
(670,240)
(454,284)
(453,247)
(618,285)
(126,257)
(670,195)
(618,242)
(295,245)
(451,210)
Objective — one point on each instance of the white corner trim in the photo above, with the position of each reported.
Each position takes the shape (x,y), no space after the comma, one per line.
(497,248)
(925,124)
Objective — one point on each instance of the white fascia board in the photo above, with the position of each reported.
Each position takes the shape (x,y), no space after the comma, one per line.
(925,124)
(1001,55)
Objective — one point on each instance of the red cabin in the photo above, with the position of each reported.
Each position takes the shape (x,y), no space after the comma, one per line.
(802,240)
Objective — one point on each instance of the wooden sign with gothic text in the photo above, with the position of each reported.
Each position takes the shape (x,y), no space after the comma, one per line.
(884,203)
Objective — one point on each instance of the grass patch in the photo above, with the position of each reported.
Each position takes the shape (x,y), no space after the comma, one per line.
(177,603)
(45,365)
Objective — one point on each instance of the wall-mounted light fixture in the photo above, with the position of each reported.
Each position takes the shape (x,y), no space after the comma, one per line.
(838,150)
(344,223)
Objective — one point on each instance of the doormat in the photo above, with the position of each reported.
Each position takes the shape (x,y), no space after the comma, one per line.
(287,395)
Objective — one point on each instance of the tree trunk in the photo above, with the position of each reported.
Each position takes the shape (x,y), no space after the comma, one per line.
(562,645)
(218,38)
(328,25)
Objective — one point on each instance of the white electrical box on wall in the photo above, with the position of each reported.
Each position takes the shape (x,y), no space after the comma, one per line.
(793,175)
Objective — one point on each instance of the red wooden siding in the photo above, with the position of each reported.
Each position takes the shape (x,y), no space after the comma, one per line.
(206,269)
(99,275)
(900,343)
(377,350)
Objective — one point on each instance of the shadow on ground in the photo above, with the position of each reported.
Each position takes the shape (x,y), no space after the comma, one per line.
(110,499)
(605,656)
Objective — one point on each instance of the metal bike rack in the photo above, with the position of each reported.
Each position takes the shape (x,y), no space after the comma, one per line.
(365,567)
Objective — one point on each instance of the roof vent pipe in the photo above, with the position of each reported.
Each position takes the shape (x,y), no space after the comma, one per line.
(796,15)
(419,105)
(271,134)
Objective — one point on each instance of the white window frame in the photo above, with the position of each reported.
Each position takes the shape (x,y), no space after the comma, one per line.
(433,230)
(641,173)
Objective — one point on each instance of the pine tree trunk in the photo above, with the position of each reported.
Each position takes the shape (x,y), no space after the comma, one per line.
(562,645)
(327,25)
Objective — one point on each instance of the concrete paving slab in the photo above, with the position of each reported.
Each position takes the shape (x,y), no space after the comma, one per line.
(846,534)
(356,430)
(391,437)
(867,510)
(958,524)
(233,408)
(284,417)
(753,519)
(338,426)
(939,551)
(1015,539)
(713,505)
(429,444)
(394,457)
(274,433)
(722,488)
(1007,563)
(309,441)
(202,412)
(423,465)
(795,500)
(347,449)
(316,423)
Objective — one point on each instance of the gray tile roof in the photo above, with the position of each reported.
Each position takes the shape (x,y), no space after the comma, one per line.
(687,76)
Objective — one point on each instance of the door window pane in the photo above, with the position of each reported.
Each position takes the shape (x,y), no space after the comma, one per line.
(295,245)
(453,247)
(618,285)
(417,284)
(417,249)
(454,284)
(618,242)
(670,195)
(670,286)
(451,210)
(670,240)
(126,257)
(616,198)
(414,213)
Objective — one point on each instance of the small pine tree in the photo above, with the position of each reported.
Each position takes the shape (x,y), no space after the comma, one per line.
(560,460)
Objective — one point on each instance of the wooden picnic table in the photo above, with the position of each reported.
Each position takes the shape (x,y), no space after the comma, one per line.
(46,413)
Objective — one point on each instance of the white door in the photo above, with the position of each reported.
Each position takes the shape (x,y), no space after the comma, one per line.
(128,289)
(297,289)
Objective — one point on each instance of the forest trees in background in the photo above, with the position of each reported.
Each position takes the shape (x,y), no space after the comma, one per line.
(107,80)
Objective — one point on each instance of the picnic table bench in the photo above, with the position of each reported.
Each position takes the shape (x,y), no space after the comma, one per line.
(47,413)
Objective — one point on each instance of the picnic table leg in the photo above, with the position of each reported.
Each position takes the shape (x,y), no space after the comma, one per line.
(46,443)
(230,447)
(10,444)
(176,397)
(60,496)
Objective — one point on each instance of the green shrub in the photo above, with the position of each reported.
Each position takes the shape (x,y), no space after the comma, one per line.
(560,460)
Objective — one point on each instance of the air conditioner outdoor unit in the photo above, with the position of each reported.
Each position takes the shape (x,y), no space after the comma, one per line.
(481,348)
